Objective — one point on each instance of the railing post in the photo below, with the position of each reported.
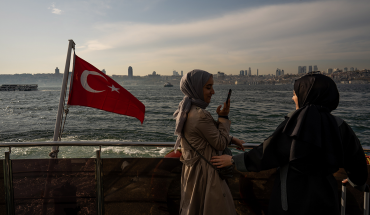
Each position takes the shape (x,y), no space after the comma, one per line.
(99,184)
(366,200)
(8,184)
(343,199)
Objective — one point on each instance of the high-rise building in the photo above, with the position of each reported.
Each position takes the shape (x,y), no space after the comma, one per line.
(278,72)
(299,69)
(304,69)
(182,73)
(309,68)
(345,69)
(103,71)
(282,72)
(175,73)
(249,72)
(57,71)
(315,68)
(241,73)
(257,72)
(352,69)
(330,70)
(130,72)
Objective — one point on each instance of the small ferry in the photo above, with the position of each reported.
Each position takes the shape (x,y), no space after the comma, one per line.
(18,87)
(168,84)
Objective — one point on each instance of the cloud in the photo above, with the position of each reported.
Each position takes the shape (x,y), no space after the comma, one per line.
(55,10)
(322,30)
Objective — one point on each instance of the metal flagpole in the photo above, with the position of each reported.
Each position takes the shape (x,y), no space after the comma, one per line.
(55,149)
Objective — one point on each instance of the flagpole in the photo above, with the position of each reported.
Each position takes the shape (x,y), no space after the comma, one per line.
(54,150)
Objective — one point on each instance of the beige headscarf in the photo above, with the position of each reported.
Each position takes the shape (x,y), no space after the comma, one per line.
(191,85)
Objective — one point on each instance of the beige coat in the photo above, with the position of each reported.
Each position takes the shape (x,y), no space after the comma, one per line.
(203,191)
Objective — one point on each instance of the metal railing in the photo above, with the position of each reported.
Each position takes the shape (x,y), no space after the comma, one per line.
(343,200)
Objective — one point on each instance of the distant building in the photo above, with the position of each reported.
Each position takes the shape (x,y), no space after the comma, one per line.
(299,69)
(175,73)
(220,75)
(182,73)
(249,72)
(351,69)
(130,72)
(309,68)
(103,71)
(57,71)
(279,72)
(154,75)
(345,69)
(257,72)
(304,69)
(315,68)
(241,73)
(330,70)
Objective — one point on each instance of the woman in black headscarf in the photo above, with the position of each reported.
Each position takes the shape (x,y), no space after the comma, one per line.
(307,148)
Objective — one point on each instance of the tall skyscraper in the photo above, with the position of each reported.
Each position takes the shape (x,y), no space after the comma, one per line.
(299,70)
(282,72)
(182,73)
(315,68)
(309,68)
(130,72)
(330,70)
(257,72)
(304,69)
(249,72)
(278,72)
(241,73)
(345,69)
(57,71)
(352,69)
(103,71)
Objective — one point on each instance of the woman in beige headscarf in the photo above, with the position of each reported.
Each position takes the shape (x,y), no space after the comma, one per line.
(202,189)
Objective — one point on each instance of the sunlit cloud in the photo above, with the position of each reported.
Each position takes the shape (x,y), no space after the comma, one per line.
(55,10)
(290,32)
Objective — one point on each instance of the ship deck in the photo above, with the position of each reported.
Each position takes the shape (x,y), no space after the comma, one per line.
(122,185)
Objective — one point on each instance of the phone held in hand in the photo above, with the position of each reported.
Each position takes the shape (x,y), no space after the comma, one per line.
(228,95)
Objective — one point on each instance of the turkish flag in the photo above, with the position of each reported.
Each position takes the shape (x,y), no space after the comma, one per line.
(92,88)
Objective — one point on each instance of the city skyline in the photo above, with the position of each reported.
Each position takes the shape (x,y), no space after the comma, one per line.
(164,36)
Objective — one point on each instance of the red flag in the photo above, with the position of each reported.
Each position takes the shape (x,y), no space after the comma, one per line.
(92,88)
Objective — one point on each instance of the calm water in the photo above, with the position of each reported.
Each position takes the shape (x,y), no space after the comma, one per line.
(255,113)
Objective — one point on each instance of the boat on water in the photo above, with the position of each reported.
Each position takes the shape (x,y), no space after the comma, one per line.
(168,84)
(18,87)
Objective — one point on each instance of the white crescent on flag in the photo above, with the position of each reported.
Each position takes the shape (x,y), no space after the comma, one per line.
(84,83)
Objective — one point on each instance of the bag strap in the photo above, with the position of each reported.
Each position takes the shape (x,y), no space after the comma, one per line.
(199,153)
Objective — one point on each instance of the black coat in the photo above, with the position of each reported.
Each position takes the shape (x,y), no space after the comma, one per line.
(310,186)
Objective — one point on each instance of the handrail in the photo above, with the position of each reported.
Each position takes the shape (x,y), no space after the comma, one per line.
(99,143)
(109,143)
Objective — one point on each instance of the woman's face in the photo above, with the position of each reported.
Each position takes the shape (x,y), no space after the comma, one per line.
(295,99)
(208,90)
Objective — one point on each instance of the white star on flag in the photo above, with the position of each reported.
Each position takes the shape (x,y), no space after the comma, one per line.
(114,88)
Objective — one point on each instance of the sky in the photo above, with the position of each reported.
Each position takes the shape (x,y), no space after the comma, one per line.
(167,35)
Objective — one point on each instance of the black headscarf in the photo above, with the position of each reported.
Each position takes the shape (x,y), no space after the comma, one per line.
(312,124)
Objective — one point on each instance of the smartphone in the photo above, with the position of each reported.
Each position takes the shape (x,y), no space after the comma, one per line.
(228,95)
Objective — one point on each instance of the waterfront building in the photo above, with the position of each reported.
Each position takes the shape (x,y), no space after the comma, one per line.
(130,72)
(175,73)
(57,71)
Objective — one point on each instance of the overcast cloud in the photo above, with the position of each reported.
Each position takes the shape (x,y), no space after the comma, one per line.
(265,36)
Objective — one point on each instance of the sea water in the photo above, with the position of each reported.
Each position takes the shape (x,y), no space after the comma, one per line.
(256,110)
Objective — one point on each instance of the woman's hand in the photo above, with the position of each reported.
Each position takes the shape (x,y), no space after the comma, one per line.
(238,142)
(221,161)
(225,111)
(345,181)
